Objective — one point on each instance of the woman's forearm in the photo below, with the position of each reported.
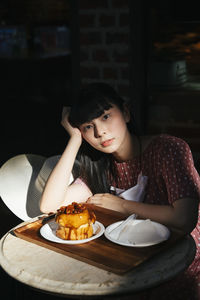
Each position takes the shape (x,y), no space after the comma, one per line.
(56,187)
(181,215)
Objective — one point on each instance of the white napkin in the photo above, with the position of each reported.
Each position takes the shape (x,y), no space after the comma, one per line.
(135,193)
(142,232)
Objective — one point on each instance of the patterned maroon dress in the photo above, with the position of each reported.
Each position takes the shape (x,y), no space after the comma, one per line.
(167,162)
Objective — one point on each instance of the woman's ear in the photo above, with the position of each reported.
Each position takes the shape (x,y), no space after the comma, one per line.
(126,113)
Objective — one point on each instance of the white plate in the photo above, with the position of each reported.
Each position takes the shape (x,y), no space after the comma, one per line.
(147,240)
(48,231)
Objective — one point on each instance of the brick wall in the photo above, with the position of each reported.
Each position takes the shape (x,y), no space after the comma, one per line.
(104,43)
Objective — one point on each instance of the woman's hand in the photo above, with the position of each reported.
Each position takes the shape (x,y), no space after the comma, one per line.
(108,201)
(72,131)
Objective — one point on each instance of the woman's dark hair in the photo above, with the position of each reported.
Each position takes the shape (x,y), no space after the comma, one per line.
(93,166)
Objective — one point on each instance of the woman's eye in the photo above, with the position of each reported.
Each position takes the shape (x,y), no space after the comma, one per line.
(87,127)
(105,117)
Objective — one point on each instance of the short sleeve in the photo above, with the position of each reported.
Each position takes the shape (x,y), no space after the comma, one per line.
(79,181)
(178,171)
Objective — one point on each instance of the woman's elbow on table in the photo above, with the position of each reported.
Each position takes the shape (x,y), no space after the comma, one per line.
(46,208)
(74,193)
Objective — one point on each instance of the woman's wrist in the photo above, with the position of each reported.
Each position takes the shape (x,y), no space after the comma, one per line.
(128,206)
(76,139)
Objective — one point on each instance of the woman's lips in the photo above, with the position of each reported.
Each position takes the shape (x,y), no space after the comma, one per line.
(107,143)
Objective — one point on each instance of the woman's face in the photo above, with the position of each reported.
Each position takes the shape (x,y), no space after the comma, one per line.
(108,132)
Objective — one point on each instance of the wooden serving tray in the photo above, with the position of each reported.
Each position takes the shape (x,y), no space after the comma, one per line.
(100,252)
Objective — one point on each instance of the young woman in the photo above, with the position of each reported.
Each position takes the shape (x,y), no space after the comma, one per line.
(107,157)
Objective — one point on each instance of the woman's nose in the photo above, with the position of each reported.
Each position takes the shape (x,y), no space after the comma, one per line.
(99,131)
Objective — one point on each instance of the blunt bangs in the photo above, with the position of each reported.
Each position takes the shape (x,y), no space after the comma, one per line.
(83,114)
(92,102)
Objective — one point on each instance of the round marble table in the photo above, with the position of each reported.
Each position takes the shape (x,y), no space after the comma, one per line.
(52,272)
